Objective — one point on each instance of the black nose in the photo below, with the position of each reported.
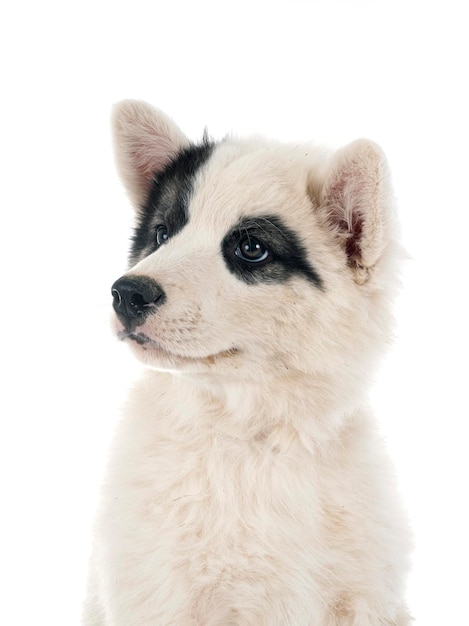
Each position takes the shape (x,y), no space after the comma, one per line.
(135,297)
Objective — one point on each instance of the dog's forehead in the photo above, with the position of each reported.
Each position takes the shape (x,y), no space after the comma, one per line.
(242,179)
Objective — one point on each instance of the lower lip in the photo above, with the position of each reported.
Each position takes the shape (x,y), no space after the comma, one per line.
(158,349)
(142,340)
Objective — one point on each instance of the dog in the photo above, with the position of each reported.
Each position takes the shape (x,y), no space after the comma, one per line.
(248,485)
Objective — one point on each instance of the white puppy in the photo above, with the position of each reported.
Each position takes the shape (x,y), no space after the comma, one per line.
(247,484)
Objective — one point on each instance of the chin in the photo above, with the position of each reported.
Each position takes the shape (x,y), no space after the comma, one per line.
(160,357)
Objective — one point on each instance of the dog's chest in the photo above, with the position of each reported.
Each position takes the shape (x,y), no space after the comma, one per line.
(205,508)
(205,481)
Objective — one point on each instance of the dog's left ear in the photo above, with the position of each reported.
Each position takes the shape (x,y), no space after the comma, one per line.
(145,141)
(356,200)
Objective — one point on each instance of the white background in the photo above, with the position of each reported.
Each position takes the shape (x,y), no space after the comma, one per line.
(328,71)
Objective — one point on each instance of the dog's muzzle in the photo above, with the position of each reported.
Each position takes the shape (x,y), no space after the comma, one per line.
(136,297)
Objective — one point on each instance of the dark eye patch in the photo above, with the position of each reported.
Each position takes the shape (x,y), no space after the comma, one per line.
(286,254)
(168,200)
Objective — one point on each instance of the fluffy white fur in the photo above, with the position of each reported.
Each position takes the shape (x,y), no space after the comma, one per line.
(247,484)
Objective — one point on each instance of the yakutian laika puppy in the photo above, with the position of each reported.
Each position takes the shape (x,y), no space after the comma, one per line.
(247,485)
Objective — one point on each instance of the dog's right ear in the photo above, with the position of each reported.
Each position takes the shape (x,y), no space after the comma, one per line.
(145,141)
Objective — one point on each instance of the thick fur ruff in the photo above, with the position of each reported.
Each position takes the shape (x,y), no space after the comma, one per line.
(247,484)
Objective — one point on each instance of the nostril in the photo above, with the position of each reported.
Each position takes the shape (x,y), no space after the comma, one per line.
(117,297)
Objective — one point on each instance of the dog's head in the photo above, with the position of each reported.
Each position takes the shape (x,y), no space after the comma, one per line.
(251,256)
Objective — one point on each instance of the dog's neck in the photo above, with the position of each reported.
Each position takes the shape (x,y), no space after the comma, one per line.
(311,406)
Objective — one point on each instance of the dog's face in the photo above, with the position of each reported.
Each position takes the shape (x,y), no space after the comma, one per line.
(249,256)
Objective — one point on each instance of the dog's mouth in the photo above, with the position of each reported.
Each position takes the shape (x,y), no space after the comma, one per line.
(160,351)
(140,338)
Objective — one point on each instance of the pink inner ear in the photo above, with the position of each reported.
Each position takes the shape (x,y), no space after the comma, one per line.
(355,197)
(145,142)
(150,157)
(353,242)
(344,213)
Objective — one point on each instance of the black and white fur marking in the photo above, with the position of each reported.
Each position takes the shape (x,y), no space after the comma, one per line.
(169,199)
(285,256)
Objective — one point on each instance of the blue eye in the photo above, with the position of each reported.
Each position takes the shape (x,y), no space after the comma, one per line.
(162,235)
(251,250)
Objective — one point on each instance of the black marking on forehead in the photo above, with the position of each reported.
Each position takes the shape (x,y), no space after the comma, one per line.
(287,254)
(168,200)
